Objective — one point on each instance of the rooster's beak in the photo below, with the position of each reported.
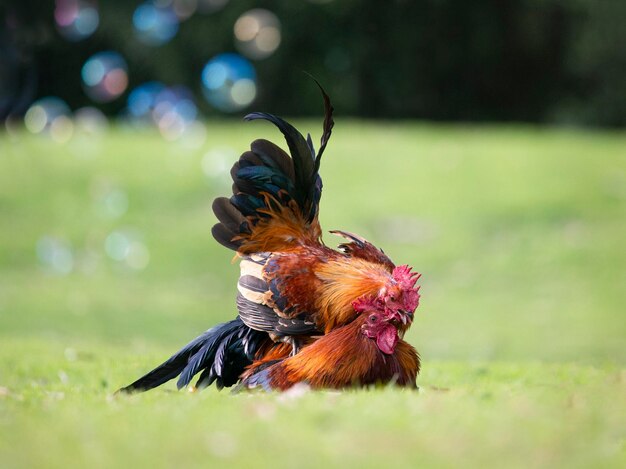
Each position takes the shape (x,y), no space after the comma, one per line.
(403,316)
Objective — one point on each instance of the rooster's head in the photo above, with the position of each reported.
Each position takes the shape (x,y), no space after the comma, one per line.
(382,326)
(401,296)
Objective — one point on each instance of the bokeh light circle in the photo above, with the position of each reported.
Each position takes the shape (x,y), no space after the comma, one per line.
(217,162)
(171,109)
(110,200)
(229,82)
(50,115)
(142,100)
(90,121)
(105,76)
(55,254)
(76,19)
(257,33)
(184,9)
(154,24)
(174,110)
(127,248)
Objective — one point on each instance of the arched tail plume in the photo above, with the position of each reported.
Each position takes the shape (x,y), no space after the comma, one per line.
(275,196)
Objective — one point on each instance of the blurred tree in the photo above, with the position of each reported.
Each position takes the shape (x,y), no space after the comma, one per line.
(528,60)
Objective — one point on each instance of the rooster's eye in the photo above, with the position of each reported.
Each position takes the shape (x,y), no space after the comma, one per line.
(373,318)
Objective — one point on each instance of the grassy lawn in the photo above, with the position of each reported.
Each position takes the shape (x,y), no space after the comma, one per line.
(107,266)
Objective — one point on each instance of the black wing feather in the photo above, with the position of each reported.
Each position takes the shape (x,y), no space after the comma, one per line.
(295,326)
(256,316)
(253,283)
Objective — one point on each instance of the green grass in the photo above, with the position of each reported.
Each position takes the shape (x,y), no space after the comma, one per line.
(519,233)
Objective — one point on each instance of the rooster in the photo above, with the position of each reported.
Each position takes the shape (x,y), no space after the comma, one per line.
(365,351)
(292,288)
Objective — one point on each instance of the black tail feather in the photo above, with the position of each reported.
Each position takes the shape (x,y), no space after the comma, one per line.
(302,156)
(274,157)
(225,237)
(222,353)
(329,123)
(269,170)
(230,217)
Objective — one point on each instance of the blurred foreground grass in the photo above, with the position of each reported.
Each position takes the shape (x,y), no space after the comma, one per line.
(519,233)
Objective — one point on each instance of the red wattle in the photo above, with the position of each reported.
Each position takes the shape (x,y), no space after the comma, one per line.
(387,339)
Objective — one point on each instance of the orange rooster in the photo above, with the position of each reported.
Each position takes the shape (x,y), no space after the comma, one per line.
(365,351)
(292,288)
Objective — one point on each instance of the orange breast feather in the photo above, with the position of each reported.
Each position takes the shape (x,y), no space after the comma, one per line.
(343,358)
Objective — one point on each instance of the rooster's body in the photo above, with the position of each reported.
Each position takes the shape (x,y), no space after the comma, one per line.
(345,357)
(292,288)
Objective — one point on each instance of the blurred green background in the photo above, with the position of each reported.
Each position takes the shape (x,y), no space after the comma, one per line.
(517,223)
(108,266)
(518,231)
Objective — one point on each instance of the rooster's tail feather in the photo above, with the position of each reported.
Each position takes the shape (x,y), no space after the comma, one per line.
(271,189)
(221,353)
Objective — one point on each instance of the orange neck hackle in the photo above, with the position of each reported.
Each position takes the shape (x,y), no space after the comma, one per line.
(343,281)
(283,229)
